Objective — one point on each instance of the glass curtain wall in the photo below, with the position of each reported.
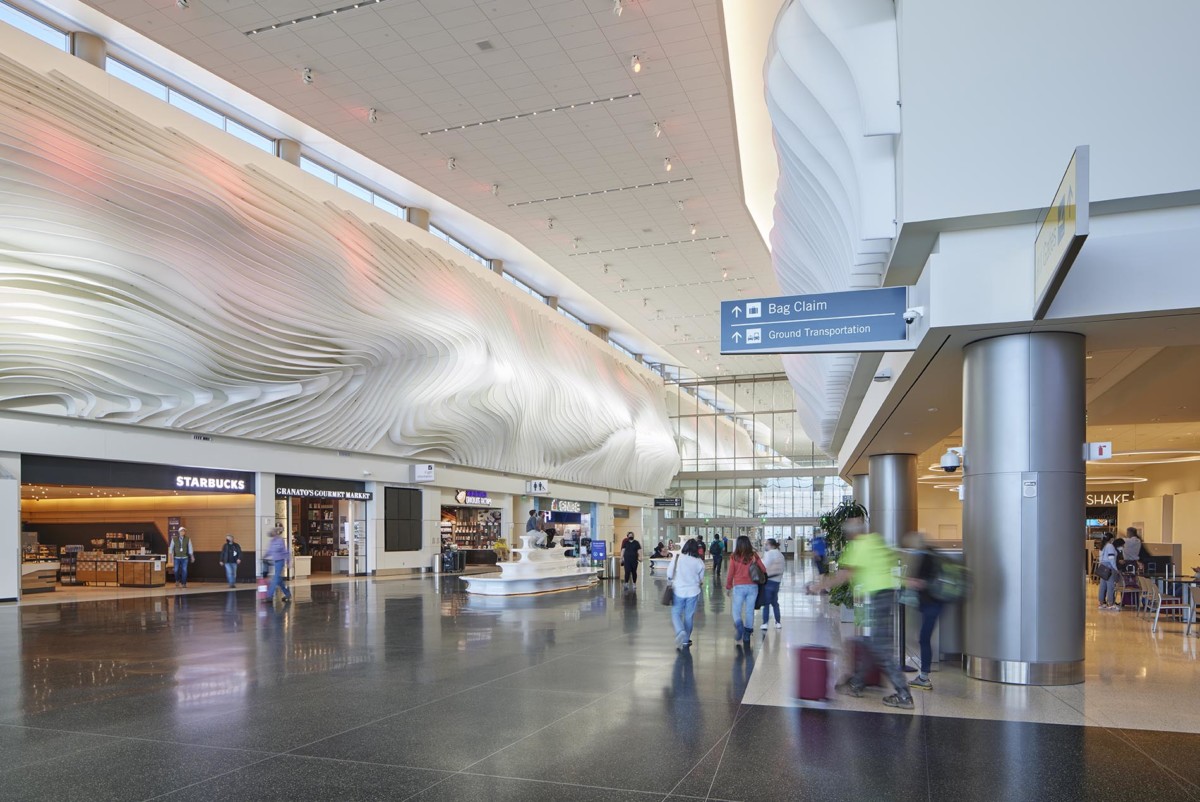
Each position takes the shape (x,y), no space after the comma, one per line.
(739,423)
(747,425)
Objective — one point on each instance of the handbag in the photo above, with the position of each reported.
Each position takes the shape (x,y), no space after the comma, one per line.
(757,575)
(668,596)
(1104,571)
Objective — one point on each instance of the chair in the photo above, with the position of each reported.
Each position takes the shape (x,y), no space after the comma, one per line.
(1143,604)
(1160,603)
(1194,593)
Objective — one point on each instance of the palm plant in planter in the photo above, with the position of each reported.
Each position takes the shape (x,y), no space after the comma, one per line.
(832,523)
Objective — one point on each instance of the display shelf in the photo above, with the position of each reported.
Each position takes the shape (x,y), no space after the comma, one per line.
(67,562)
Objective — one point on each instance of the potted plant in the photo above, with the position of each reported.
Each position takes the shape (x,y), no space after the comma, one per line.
(832,523)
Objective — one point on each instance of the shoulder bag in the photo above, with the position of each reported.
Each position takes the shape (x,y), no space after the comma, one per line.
(668,596)
(757,575)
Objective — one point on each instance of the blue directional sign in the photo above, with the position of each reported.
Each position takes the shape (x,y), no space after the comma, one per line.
(859,320)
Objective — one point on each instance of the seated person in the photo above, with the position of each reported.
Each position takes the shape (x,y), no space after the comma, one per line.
(659,551)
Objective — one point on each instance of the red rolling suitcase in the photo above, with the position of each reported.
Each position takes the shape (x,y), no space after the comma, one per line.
(812,672)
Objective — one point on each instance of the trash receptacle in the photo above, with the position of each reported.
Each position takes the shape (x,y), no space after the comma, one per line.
(614,568)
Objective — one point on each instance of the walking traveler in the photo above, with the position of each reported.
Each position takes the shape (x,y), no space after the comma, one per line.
(279,557)
(924,573)
(685,574)
(774,563)
(819,549)
(180,549)
(717,550)
(868,562)
(742,563)
(631,555)
(231,558)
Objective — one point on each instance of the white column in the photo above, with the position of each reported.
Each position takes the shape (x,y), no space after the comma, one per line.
(10,526)
(264,514)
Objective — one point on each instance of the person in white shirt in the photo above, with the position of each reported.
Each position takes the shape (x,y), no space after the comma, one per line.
(773,560)
(685,574)
(1108,585)
(1133,546)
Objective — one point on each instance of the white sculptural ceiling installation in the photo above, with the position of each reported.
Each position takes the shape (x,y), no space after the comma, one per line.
(146,279)
(832,86)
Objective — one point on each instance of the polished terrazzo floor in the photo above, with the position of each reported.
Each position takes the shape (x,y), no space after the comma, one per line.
(411,690)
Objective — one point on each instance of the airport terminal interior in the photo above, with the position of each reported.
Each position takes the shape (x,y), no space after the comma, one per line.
(410,399)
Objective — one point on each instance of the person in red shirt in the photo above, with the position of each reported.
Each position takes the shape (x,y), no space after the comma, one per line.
(743,587)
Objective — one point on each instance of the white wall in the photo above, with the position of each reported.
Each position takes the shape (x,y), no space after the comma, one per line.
(1150,514)
(937,511)
(10,526)
(1186,516)
(996,96)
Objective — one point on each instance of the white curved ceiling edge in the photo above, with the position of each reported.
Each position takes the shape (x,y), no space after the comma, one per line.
(147,279)
(832,89)
(484,236)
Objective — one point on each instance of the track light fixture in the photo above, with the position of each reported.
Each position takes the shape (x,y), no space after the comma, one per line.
(451,164)
(679,205)
(550,223)
(657,130)
(495,190)
(618,7)
(307,75)
(725,273)
(645,302)
(604,268)
(575,244)
(182,3)
(635,64)
(693,229)
(667,164)
(372,115)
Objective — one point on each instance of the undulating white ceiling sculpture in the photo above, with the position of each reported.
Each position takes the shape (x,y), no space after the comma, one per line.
(146,279)
(832,86)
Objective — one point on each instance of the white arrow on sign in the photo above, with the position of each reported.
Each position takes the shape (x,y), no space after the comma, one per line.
(737,311)
(736,336)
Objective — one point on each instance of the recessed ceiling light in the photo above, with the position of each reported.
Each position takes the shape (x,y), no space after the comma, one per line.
(657,130)
(933,409)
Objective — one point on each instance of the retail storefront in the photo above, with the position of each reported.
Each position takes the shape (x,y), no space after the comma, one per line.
(471,525)
(325,523)
(573,521)
(104,523)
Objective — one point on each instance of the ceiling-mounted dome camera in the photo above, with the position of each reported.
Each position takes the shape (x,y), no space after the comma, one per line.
(952,460)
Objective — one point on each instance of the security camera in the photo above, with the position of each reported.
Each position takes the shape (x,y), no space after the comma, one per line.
(912,313)
(952,460)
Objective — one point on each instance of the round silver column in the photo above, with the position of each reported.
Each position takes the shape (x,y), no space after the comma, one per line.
(1023,512)
(892,506)
(860,484)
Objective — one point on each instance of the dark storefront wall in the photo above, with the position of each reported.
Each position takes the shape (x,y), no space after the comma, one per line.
(208,514)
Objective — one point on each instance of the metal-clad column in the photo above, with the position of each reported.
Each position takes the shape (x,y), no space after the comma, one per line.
(860,484)
(892,506)
(1023,486)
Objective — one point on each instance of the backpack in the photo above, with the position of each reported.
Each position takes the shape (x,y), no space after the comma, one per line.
(951,583)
